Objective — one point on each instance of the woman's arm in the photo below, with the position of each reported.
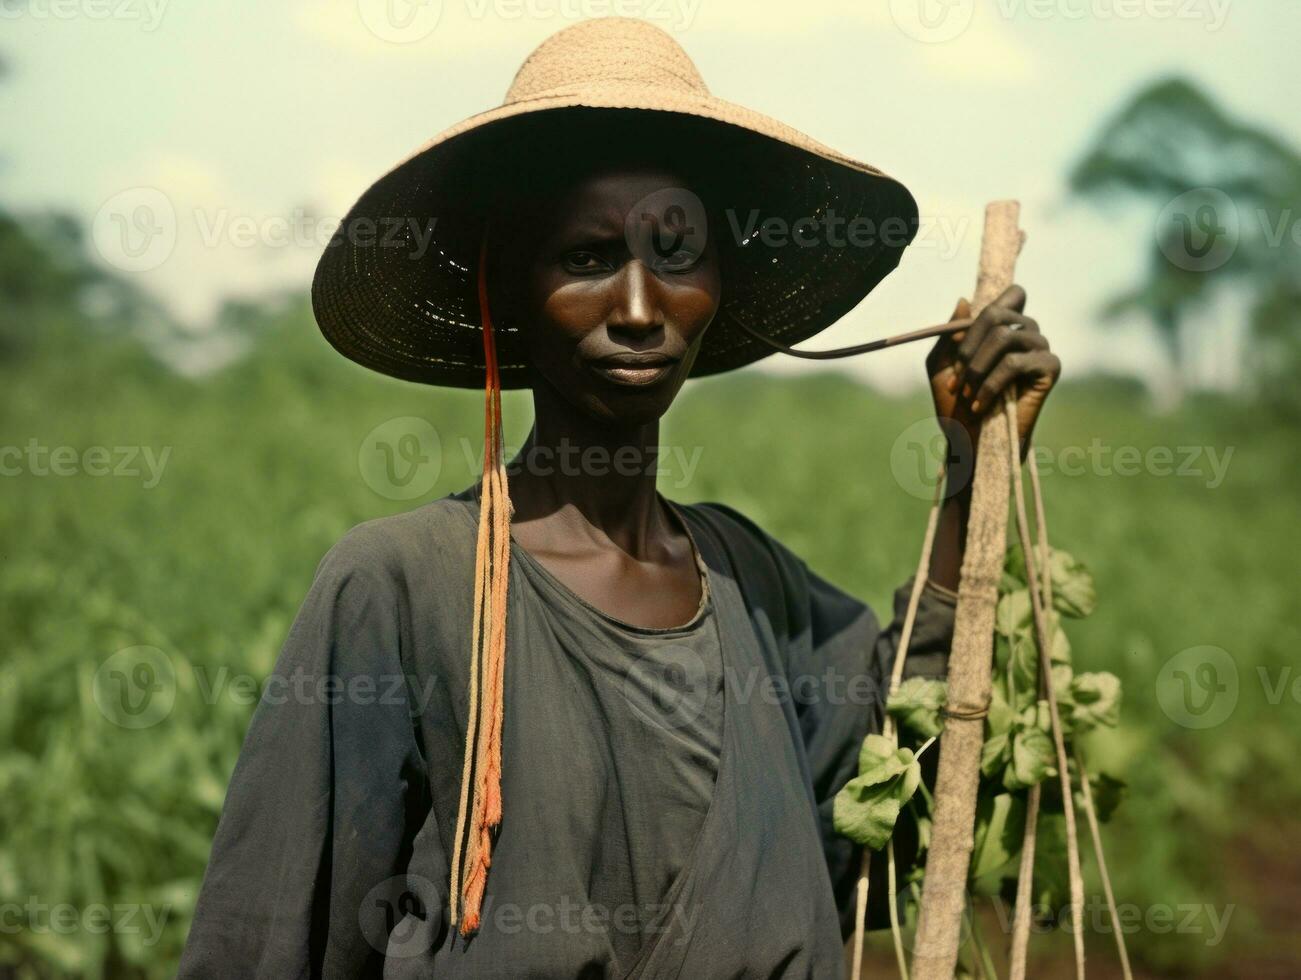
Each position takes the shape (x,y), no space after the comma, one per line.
(969,371)
(330,781)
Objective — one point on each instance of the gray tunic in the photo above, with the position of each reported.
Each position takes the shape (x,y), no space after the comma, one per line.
(666,793)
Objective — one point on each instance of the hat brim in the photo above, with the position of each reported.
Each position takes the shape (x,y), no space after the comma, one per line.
(395,289)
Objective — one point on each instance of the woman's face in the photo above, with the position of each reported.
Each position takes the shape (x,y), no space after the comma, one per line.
(620,282)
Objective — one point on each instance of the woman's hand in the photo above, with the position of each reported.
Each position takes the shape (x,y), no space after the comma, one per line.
(1003,350)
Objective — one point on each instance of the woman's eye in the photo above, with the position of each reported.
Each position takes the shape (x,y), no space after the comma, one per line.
(583,262)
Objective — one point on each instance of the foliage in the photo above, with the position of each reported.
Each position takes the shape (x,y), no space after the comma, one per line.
(1018,751)
(868,806)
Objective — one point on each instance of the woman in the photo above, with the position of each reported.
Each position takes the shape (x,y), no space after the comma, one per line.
(563,727)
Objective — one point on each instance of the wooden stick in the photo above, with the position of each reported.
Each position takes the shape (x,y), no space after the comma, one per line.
(888,725)
(939,926)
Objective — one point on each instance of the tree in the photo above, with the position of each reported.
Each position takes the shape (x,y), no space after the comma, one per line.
(1222,192)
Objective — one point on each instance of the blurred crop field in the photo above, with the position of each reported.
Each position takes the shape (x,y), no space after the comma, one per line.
(257,469)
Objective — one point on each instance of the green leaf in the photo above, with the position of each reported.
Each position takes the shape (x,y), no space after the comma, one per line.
(1002,653)
(1073,591)
(1097,700)
(995,753)
(1059,644)
(1001,715)
(1023,668)
(1000,825)
(1013,613)
(865,814)
(868,807)
(1063,677)
(924,832)
(1108,793)
(1014,565)
(880,760)
(1051,888)
(916,706)
(1032,758)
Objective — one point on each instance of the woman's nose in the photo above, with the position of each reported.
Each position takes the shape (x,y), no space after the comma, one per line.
(636,311)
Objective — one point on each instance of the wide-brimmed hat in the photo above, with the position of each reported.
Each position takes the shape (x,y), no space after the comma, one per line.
(395,290)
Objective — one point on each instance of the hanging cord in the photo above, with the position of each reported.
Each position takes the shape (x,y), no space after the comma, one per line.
(939,330)
(479,812)
(1086,792)
(1039,610)
(888,729)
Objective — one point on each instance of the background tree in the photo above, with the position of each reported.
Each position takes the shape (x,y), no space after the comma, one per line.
(1222,192)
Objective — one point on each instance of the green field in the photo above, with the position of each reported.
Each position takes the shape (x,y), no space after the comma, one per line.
(209,562)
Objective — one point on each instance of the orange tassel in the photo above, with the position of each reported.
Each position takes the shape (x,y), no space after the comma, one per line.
(482,808)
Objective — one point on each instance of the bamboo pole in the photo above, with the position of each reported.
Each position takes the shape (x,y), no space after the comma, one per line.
(939,927)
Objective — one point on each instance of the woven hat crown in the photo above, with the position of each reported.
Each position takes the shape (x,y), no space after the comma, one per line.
(609,51)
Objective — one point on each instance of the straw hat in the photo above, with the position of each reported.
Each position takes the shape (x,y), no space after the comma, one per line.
(395,290)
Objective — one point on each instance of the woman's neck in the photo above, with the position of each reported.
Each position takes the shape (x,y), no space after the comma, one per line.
(578,477)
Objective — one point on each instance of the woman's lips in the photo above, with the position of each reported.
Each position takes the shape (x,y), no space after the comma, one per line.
(634,373)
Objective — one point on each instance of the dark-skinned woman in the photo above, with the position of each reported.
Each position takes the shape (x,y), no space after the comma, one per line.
(602,731)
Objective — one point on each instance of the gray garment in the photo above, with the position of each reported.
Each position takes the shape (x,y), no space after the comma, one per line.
(665,723)
(630,847)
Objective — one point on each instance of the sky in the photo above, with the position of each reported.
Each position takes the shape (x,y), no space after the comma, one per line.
(252,124)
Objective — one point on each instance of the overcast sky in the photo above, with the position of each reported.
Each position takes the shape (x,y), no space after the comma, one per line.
(249,115)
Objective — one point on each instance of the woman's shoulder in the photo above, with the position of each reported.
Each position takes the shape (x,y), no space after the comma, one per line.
(738,531)
(765,569)
(428,540)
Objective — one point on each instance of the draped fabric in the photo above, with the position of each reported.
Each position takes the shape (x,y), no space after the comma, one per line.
(666,794)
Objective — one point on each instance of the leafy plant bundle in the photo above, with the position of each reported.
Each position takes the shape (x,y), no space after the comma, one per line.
(1018,755)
